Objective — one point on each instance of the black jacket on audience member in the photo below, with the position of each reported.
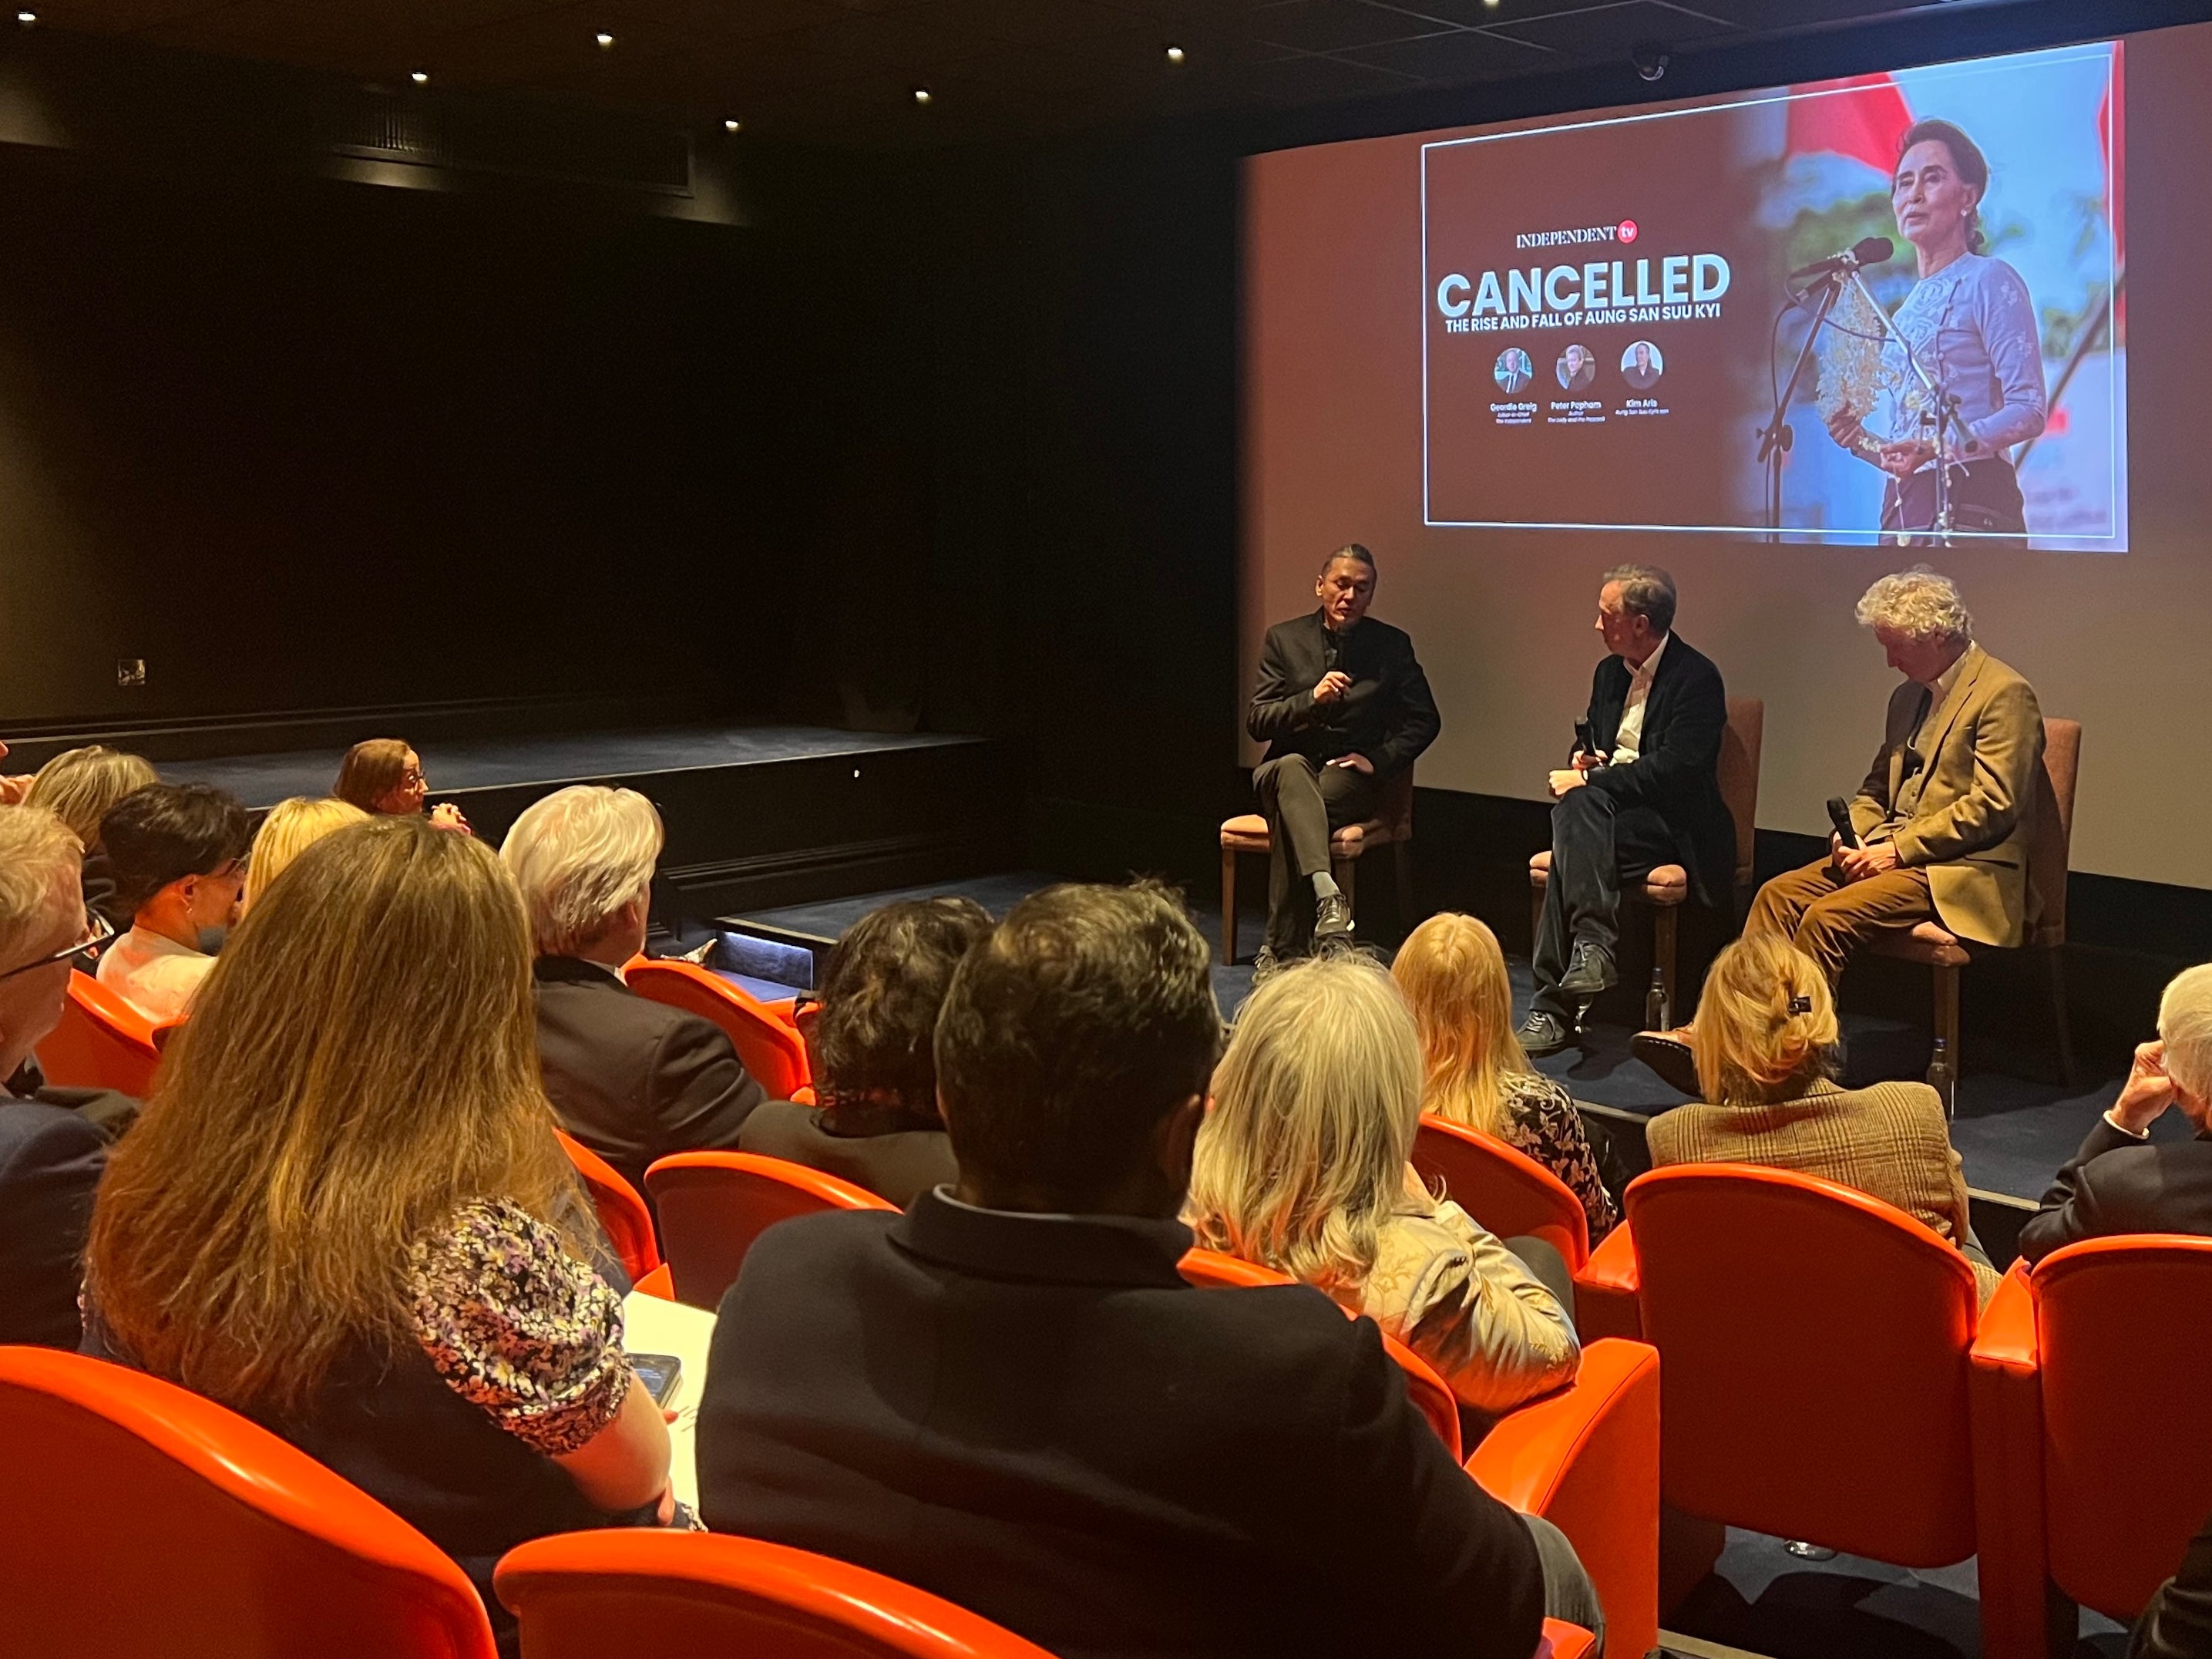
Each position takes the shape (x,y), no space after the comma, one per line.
(898,1165)
(2178,1622)
(1676,772)
(1036,1419)
(2117,1184)
(51,1160)
(635,1080)
(1389,715)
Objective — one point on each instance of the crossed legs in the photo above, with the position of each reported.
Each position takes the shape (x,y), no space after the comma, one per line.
(1828,918)
(1596,844)
(1302,801)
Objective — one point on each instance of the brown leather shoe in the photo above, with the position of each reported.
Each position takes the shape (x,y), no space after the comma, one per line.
(1667,1053)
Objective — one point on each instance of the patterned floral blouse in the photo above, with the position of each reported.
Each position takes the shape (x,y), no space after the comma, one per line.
(520,1327)
(1541,1121)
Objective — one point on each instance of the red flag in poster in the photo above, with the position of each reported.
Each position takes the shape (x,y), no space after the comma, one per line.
(1863,122)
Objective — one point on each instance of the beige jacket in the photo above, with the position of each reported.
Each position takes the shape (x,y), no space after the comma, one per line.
(1961,795)
(1463,1302)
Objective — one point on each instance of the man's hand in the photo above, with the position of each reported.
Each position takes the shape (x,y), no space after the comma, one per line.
(1358,763)
(1332,687)
(2146,1093)
(1563,781)
(1858,863)
(1586,761)
(1907,458)
(1843,426)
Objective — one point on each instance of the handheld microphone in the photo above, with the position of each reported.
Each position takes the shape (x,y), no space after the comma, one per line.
(1871,251)
(1839,814)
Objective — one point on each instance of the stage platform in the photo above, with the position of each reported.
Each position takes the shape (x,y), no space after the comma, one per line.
(2012,1133)
(755,814)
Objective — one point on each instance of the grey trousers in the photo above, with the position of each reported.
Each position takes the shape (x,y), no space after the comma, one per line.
(1568,1592)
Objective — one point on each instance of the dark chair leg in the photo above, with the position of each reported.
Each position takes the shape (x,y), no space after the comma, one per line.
(1664,918)
(2054,959)
(1535,915)
(1401,868)
(1229,906)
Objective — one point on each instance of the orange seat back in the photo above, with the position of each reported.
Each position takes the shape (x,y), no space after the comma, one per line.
(714,1205)
(1813,1346)
(1502,1188)
(586,1594)
(622,1215)
(770,1048)
(138,1518)
(103,1042)
(1215,1270)
(2123,1327)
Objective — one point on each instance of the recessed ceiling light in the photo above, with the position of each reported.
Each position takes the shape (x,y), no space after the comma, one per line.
(921,94)
(1175,54)
(1493,4)
(603,38)
(732,125)
(420,77)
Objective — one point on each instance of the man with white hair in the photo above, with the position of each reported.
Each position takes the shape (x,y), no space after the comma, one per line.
(2121,1181)
(49,1158)
(634,1080)
(1944,818)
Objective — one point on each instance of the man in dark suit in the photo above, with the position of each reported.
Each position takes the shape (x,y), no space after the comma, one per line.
(51,1158)
(2122,1180)
(634,1080)
(1642,789)
(1343,708)
(1009,1396)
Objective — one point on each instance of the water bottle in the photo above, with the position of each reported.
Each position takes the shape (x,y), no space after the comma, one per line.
(1657,1016)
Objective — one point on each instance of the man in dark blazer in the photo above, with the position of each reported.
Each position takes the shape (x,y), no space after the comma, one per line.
(1641,789)
(1343,708)
(1009,1396)
(51,1158)
(2122,1180)
(634,1080)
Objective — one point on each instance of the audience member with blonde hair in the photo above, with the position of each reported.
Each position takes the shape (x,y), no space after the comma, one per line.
(291,827)
(384,777)
(346,1214)
(632,1079)
(77,786)
(49,1158)
(1764,1040)
(2121,1180)
(1303,1166)
(1477,1074)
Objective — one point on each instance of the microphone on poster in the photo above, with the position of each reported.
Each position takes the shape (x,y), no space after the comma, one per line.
(1867,250)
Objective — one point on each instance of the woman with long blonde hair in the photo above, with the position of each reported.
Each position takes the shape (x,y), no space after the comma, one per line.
(1302,1165)
(1476,1073)
(344,1214)
(1764,1040)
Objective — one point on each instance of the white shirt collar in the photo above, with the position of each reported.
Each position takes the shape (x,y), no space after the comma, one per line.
(1650,665)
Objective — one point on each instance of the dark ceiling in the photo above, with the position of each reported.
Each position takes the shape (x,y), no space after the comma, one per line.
(845,71)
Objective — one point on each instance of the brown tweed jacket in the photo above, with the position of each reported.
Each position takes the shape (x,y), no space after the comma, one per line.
(1889,1141)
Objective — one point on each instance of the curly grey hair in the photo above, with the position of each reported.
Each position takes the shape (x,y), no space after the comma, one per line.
(1645,591)
(1918,604)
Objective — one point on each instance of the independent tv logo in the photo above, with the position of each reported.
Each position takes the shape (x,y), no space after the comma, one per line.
(1626,231)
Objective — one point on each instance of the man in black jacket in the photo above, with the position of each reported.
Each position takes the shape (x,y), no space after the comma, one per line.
(634,1080)
(1010,1397)
(1641,789)
(1343,707)
(2122,1180)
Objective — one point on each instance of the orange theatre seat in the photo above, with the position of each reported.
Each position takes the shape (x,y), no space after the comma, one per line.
(1504,1189)
(1813,1344)
(1666,890)
(714,1205)
(103,1042)
(2088,1381)
(770,1047)
(622,1215)
(1392,826)
(137,1518)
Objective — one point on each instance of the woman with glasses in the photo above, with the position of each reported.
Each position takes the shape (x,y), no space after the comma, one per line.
(385,777)
(176,852)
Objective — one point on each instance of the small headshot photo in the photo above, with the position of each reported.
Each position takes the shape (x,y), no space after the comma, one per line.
(1513,369)
(1576,368)
(1641,365)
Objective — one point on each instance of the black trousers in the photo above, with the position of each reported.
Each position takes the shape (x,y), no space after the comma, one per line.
(1302,801)
(1596,844)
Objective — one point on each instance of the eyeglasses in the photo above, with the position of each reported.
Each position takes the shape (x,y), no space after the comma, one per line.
(98,930)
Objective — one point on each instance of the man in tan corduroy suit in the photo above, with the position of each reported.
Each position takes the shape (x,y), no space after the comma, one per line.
(1944,816)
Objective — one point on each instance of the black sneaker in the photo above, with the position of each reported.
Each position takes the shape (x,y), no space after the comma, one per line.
(1543,1034)
(1266,965)
(1589,971)
(1332,918)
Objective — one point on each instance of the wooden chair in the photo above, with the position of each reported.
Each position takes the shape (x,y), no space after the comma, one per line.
(1392,826)
(2050,854)
(1667,889)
